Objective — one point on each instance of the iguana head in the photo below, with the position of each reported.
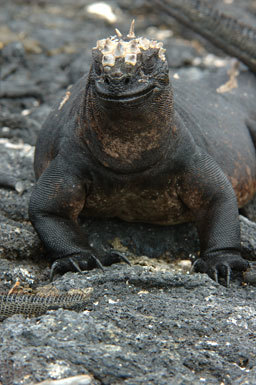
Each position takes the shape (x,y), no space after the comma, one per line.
(128,69)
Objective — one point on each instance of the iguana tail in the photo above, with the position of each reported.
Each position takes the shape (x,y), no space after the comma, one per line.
(234,38)
(35,305)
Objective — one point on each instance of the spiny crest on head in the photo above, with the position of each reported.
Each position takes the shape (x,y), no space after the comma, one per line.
(115,47)
(118,33)
(131,33)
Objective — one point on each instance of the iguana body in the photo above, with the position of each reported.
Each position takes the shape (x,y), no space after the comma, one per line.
(235,38)
(121,145)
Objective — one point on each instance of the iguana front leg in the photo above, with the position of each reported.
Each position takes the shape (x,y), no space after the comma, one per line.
(207,192)
(56,202)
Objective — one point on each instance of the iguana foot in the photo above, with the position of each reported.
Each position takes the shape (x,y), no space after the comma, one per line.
(220,266)
(87,261)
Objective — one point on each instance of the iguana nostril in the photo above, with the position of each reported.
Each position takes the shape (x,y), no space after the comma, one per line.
(117,79)
(127,80)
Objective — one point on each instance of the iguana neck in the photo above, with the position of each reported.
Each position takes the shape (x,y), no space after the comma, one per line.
(233,37)
(128,137)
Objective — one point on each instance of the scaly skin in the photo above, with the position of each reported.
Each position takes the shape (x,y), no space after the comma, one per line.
(128,142)
(233,37)
(35,305)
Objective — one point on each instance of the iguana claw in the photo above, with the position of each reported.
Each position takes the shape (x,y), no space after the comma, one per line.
(87,261)
(75,264)
(78,263)
(216,277)
(220,267)
(122,256)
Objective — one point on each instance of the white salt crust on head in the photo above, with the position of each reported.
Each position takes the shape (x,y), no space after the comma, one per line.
(115,47)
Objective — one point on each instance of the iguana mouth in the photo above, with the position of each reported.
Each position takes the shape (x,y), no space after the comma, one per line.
(127,97)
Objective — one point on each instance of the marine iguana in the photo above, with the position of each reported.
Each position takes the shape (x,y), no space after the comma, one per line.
(128,142)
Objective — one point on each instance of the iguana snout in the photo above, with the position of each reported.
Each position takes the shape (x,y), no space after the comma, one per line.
(122,87)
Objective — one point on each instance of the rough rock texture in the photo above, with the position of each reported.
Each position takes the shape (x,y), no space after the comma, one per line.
(141,326)
(150,323)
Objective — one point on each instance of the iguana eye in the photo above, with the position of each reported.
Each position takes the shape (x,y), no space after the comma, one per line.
(97,67)
(149,63)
